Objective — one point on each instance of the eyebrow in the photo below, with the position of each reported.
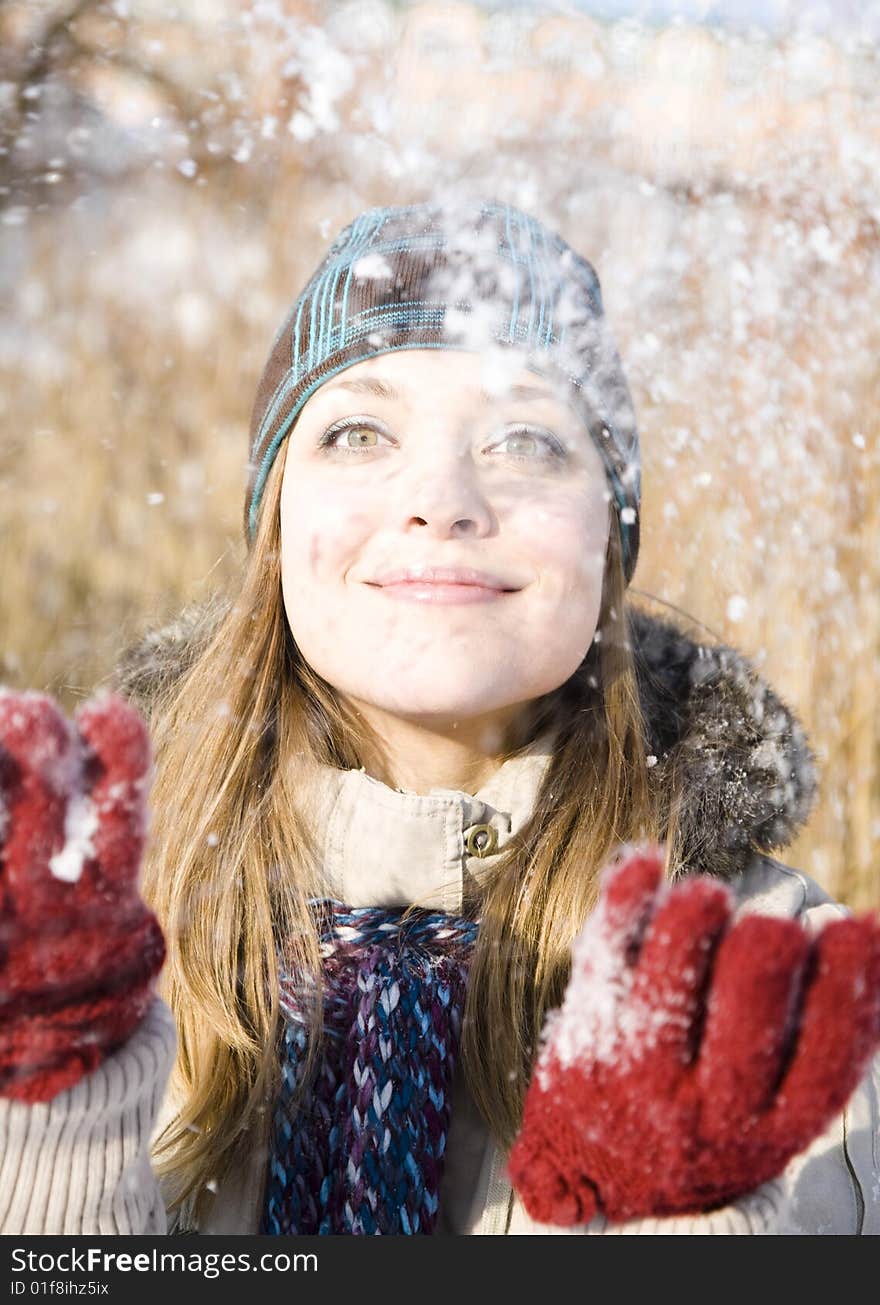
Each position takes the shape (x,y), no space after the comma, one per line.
(383,390)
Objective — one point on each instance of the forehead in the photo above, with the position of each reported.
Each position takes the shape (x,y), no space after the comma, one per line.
(407,374)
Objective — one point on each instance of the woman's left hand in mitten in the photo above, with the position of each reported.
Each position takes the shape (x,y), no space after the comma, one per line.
(692,1057)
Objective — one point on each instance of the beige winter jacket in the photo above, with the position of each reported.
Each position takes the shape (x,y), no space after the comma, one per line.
(80,1164)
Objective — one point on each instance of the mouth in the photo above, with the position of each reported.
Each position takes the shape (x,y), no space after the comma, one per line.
(422,582)
(442,592)
(467,577)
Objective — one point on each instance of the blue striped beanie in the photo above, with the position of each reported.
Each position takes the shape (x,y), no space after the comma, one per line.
(461,274)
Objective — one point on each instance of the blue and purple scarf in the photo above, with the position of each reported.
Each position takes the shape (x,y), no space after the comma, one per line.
(366,1150)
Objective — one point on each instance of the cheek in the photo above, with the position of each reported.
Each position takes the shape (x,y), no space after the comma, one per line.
(567,541)
(320,530)
(566,538)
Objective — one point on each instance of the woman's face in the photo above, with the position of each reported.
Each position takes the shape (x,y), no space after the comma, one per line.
(401,463)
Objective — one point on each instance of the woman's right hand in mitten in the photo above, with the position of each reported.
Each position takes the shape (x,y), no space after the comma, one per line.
(693,1056)
(79,950)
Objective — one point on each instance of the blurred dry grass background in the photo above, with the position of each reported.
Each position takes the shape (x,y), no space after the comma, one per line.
(725,190)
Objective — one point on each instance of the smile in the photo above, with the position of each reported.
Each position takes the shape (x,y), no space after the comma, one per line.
(422,591)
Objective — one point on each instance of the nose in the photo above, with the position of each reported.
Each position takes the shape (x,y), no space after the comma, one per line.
(443,493)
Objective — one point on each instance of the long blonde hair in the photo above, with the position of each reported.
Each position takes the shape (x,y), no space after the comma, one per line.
(231,865)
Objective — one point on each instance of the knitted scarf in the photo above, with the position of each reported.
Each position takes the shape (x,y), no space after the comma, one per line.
(366,1150)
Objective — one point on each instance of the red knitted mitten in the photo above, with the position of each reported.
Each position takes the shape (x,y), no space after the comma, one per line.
(692,1057)
(79,950)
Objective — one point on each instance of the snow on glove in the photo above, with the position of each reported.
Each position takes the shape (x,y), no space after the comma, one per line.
(692,1057)
(79,950)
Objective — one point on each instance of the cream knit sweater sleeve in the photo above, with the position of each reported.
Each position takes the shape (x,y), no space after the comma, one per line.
(80,1163)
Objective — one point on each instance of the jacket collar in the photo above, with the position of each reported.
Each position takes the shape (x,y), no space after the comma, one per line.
(380,846)
(718,736)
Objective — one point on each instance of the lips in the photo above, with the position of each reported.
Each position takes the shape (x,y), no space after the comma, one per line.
(427,575)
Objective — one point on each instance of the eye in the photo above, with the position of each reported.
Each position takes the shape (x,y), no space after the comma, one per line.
(535,434)
(344,428)
(358,426)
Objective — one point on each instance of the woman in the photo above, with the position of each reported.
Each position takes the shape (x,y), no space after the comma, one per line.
(389,773)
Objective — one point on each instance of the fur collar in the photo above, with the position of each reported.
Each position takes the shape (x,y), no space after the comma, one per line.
(740,756)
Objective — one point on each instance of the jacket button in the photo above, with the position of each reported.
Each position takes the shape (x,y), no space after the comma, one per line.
(481,840)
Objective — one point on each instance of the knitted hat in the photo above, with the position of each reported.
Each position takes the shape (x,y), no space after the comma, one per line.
(476,274)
